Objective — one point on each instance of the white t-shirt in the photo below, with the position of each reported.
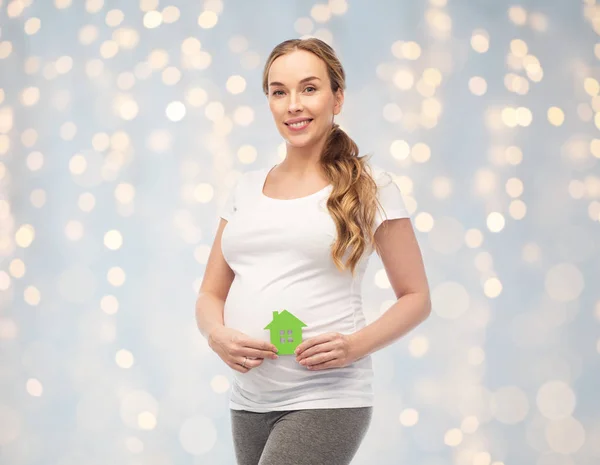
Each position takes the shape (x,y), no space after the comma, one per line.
(279,251)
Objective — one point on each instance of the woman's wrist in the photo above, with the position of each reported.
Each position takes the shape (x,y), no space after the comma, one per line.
(211,333)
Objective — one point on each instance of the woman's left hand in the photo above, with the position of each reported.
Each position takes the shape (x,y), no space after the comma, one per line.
(329,350)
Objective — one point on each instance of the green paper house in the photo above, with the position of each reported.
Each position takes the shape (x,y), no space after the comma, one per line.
(286,332)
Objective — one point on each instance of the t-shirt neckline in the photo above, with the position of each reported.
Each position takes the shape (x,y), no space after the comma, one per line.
(261,186)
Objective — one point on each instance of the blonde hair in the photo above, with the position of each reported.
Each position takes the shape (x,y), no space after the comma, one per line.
(353,200)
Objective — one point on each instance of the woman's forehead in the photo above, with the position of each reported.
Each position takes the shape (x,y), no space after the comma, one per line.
(294,67)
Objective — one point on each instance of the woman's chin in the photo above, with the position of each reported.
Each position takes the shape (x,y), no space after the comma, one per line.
(299,141)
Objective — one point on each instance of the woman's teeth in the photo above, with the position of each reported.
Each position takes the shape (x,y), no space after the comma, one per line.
(299,124)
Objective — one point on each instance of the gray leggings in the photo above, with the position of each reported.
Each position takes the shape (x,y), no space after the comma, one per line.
(329,436)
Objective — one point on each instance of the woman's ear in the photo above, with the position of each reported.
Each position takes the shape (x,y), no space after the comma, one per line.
(339,101)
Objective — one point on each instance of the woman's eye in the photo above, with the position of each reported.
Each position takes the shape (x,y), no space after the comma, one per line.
(309,87)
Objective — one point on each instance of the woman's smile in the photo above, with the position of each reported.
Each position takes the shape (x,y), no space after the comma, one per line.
(299,126)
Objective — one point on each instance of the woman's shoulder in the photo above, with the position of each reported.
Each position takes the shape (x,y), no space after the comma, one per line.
(246,178)
(381,177)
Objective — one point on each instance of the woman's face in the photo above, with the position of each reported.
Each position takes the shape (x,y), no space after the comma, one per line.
(292,96)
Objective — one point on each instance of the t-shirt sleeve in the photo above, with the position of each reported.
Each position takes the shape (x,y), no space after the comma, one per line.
(230,206)
(390,198)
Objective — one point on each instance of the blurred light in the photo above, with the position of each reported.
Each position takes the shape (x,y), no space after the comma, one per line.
(38,198)
(476,356)
(409,417)
(514,187)
(338,7)
(148,5)
(134,445)
(171,14)
(207,20)
(126,38)
(565,436)
(88,34)
(114,18)
(392,112)
(518,48)
(32,26)
(236,84)
(152,19)
(175,111)
(62,4)
(116,276)
(29,137)
(5,49)
(400,149)
(124,358)
(477,85)
(424,222)
(480,41)
(34,387)
(538,22)
(30,96)
(109,304)
(473,238)
(24,236)
(109,49)
(453,437)
(556,117)
(470,424)
(320,13)
(171,76)
(68,130)
(591,86)
(113,240)
(556,400)
(421,152)
(32,296)
(418,346)
(94,6)
(403,79)
(492,288)
(518,15)
(302,26)
(495,222)
(17,268)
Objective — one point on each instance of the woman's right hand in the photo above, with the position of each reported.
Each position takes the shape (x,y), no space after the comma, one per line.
(234,346)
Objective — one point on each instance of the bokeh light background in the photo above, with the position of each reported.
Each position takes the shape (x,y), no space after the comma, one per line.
(123,125)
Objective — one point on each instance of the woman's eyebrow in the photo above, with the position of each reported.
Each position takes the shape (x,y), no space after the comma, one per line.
(310,78)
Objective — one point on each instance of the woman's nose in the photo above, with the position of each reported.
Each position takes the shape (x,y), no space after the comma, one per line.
(295,103)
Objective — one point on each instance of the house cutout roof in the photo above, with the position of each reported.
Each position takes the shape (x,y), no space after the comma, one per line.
(284,320)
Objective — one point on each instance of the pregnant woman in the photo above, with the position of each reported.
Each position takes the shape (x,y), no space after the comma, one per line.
(280,302)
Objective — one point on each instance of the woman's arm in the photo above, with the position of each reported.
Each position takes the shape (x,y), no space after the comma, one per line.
(215,286)
(403,263)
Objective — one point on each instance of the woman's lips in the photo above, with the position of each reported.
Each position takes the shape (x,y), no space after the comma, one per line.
(301,128)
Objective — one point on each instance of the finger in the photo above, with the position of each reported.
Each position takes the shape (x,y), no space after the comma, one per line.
(238,367)
(313,341)
(259,345)
(253,363)
(319,348)
(247,363)
(324,366)
(320,358)
(255,353)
